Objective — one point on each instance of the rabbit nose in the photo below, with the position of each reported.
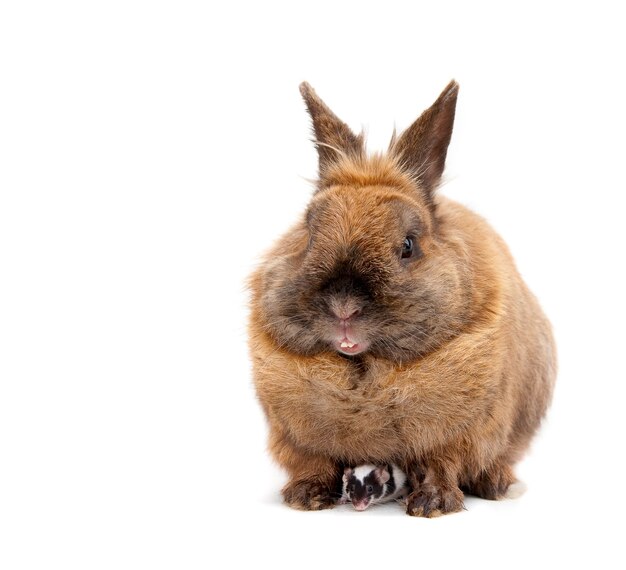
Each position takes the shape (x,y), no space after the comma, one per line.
(345,311)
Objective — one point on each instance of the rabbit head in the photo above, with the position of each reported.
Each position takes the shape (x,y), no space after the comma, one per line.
(366,270)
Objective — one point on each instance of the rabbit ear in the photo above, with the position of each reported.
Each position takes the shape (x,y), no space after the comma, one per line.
(333,137)
(422,148)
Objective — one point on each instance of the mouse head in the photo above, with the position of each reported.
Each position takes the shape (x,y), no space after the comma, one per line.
(365,485)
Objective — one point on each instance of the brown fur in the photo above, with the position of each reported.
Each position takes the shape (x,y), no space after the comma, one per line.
(460,363)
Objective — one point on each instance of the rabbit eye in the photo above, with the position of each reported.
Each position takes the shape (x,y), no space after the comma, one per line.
(407,248)
(369,489)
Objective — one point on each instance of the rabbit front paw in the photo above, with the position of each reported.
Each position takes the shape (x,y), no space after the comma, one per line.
(430,501)
(308,495)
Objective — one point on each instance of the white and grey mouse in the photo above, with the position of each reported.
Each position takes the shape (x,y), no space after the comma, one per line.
(368,484)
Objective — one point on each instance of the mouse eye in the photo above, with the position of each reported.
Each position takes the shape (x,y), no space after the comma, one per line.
(369,489)
(407,248)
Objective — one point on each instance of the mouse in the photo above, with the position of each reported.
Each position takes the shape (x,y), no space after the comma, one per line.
(367,485)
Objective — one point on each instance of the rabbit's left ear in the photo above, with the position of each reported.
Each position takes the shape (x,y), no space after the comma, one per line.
(333,137)
(422,148)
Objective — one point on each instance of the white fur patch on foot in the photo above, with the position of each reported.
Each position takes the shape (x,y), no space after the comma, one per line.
(516,490)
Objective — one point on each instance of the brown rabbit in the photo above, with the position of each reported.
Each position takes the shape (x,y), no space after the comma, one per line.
(390,325)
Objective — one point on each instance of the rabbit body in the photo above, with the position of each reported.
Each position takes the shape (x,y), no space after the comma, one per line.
(454,360)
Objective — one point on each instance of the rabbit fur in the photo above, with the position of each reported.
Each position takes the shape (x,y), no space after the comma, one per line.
(453,362)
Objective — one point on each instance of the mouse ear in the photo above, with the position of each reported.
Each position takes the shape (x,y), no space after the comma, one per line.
(382,474)
(347,473)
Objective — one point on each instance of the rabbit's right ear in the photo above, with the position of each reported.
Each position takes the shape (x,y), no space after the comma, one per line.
(333,137)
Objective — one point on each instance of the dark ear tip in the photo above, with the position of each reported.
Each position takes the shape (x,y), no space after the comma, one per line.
(306,90)
(451,90)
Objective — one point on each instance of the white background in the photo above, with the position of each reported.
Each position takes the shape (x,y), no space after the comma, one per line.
(149,152)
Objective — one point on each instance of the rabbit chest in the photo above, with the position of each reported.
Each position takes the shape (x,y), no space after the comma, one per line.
(355,412)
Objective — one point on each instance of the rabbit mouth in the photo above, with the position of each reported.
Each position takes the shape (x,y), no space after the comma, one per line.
(347,346)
